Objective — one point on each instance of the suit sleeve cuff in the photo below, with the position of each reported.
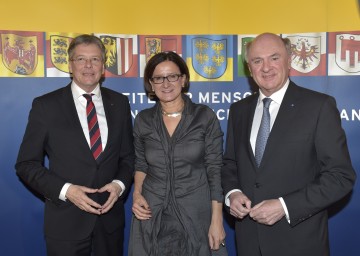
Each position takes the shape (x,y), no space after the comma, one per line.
(121,185)
(227,199)
(63,191)
(285,209)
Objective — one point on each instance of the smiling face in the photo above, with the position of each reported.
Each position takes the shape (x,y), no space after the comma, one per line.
(88,74)
(269,63)
(168,91)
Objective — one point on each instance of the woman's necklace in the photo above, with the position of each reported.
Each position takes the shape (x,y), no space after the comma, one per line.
(173,114)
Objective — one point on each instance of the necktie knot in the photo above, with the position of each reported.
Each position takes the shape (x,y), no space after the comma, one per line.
(88,97)
(266,102)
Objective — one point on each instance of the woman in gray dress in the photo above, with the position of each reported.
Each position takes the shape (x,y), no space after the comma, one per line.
(177,199)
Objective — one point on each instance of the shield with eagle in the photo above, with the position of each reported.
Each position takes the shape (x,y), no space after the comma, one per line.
(119,54)
(19,53)
(305,53)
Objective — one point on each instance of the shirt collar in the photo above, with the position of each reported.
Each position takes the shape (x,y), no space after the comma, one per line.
(277,96)
(78,92)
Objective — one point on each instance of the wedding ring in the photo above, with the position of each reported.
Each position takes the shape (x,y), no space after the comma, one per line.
(223,243)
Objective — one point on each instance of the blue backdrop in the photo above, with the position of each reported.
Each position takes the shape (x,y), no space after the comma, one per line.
(21,214)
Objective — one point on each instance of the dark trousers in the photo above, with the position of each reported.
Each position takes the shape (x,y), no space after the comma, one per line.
(99,243)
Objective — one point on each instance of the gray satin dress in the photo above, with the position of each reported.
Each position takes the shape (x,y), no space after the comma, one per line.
(182,178)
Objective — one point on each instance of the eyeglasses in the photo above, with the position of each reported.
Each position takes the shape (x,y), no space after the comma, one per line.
(82,60)
(161,79)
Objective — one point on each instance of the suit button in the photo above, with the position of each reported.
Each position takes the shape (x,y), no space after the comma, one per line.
(257,185)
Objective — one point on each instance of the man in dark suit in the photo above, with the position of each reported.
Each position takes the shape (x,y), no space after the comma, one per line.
(88,174)
(279,197)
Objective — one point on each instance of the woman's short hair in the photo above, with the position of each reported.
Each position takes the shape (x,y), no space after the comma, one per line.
(159,58)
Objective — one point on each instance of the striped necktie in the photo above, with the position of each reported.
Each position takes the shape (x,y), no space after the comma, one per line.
(94,131)
(263,133)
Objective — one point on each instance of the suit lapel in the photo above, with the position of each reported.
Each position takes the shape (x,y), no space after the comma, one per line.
(69,110)
(109,105)
(284,120)
(249,120)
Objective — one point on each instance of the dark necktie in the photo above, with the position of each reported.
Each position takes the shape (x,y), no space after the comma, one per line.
(264,131)
(94,131)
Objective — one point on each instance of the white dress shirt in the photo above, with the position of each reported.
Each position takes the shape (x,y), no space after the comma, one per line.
(80,104)
(275,104)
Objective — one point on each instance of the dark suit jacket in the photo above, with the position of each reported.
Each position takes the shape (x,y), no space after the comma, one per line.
(306,161)
(54,130)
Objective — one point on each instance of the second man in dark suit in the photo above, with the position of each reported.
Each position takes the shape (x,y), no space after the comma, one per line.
(280,196)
